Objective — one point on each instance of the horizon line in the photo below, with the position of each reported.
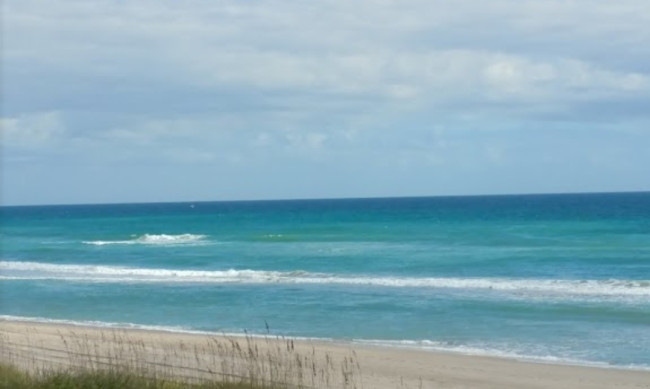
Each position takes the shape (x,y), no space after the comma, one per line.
(326,198)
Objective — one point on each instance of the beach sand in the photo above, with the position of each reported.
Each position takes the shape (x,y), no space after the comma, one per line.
(36,346)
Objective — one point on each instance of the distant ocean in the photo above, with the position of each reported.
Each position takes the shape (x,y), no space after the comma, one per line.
(557,278)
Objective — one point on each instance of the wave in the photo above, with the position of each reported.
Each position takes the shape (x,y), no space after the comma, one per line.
(486,351)
(120,274)
(431,345)
(151,239)
(99,324)
(148,327)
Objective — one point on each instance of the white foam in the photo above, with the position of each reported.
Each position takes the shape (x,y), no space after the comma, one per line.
(152,239)
(493,352)
(149,327)
(101,324)
(117,274)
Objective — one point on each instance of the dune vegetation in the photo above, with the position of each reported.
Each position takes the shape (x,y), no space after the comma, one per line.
(116,360)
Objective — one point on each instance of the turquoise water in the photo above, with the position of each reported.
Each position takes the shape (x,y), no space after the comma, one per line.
(548,277)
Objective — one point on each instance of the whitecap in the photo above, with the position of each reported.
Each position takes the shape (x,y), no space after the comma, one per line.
(153,239)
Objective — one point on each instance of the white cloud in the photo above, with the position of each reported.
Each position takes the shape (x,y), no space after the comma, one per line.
(190,155)
(305,141)
(32,130)
(379,85)
(368,48)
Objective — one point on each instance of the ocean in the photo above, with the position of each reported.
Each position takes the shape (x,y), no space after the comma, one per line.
(552,278)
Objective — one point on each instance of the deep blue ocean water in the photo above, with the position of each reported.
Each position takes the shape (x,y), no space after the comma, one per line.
(547,277)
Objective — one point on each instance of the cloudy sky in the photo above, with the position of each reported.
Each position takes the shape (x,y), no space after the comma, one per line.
(162,100)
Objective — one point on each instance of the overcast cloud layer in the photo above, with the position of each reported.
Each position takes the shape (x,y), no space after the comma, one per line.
(116,101)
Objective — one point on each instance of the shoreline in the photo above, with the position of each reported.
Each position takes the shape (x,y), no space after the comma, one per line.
(379,366)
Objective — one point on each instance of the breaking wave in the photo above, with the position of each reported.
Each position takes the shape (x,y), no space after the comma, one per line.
(120,274)
(151,239)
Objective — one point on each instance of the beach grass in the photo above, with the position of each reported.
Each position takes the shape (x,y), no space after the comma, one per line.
(114,359)
(13,378)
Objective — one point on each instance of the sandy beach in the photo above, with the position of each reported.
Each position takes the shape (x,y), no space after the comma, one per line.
(44,346)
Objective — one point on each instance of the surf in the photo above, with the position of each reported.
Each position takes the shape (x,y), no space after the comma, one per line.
(121,274)
(152,239)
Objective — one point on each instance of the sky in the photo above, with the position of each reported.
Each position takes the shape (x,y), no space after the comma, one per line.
(110,101)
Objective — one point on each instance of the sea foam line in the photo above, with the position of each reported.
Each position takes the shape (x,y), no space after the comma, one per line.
(439,346)
(120,274)
(152,239)
(150,327)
